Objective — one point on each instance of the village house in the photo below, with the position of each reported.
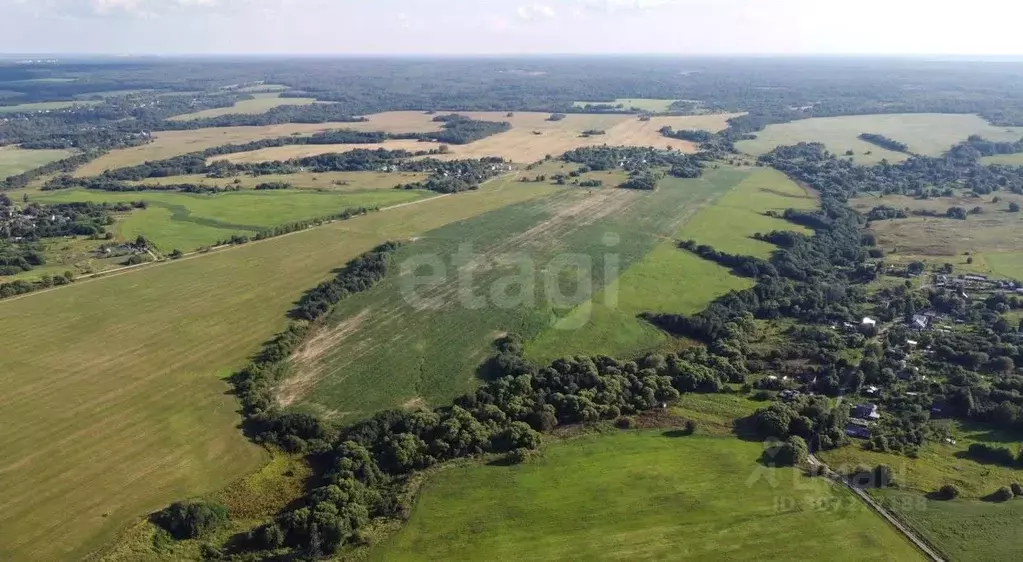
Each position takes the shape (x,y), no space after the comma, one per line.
(866,411)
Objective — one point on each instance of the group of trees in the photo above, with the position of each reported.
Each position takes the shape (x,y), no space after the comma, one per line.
(459,129)
(884,142)
(692,135)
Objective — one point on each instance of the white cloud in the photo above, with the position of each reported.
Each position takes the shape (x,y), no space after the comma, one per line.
(536,11)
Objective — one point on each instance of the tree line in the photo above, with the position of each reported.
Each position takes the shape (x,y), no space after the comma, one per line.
(884,142)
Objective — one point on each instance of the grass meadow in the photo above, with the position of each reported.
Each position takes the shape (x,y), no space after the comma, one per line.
(640,495)
(967,528)
(187,221)
(929,134)
(113,402)
(14,160)
(991,239)
(643,104)
(261,103)
(671,280)
(1008,159)
(351,367)
(42,106)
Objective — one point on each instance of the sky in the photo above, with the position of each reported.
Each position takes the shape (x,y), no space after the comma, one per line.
(487,27)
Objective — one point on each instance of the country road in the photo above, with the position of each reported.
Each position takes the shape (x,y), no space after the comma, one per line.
(880,510)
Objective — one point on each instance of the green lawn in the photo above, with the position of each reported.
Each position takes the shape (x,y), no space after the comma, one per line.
(352,369)
(671,280)
(188,221)
(926,133)
(640,495)
(113,403)
(14,161)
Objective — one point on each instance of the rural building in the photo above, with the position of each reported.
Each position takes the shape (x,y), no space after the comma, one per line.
(868,321)
(920,322)
(857,430)
(866,411)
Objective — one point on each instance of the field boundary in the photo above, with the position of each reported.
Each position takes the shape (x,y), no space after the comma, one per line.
(908,532)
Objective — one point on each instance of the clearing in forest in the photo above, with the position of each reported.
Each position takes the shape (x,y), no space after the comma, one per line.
(929,134)
(14,160)
(113,403)
(670,280)
(640,495)
(261,103)
(43,106)
(511,270)
(642,104)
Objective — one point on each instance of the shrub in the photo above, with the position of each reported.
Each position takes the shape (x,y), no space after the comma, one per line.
(625,422)
(1002,494)
(1017,490)
(191,519)
(948,492)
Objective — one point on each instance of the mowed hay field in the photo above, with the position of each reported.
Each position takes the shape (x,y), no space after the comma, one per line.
(929,134)
(420,335)
(174,143)
(531,138)
(670,280)
(640,495)
(113,404)
(187,221)
(14,161)
(261,103)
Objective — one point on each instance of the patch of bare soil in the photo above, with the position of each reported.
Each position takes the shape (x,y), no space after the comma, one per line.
(306,358)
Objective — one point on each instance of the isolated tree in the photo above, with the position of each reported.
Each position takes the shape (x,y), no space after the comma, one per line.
(792,452)
(1014,207)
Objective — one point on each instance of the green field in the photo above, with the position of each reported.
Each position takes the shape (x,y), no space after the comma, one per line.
(643,104)
(261,103)
(187,221)
(350,368)
(640,495)
(926,133)
(43,106)
(964,529)
(671,280)
(113,404)
(14,161)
